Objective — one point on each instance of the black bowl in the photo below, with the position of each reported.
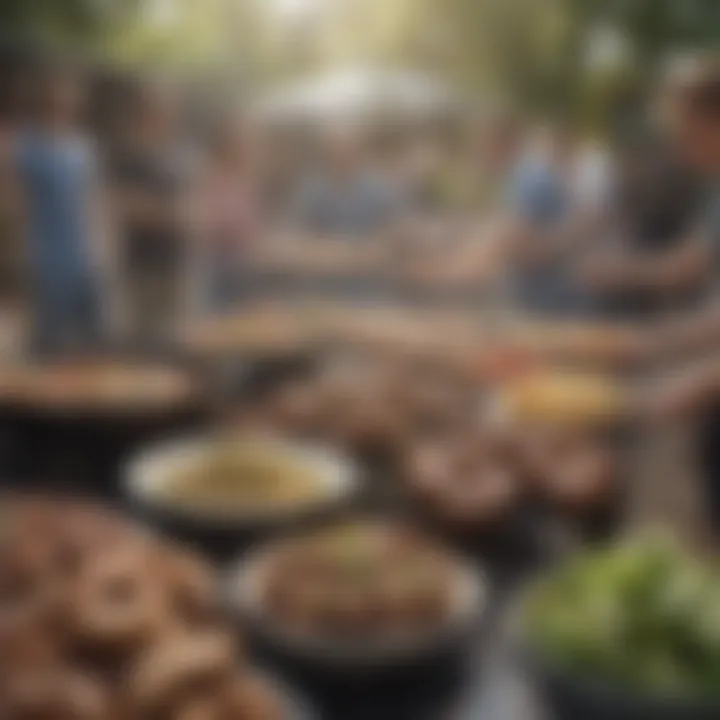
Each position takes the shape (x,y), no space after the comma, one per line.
(383,665)
(223,536)
(81,444)
(708,455)
(295,706)
(251,378)
(570,695)
(86,449)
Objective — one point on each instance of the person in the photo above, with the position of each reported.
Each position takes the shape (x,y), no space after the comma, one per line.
(543,225)
(151,173)
(668,235)
(648,260)
(693,124)
(347,197)
(495,151)
(56,171)
(227,215)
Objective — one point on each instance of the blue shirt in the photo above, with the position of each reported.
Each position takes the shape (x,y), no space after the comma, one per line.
(537,194)
(360,205)
(57,174)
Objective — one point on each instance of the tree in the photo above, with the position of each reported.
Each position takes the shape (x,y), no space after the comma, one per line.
(63,20)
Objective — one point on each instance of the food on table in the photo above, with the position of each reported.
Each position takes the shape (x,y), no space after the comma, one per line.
(643,616)
(573,469)
(564,398)
(102,383)
(101,621)
(232,475)
(478,480)
(369,408)
(601,344)
(466,482)
(267,328)
(585,478)
(362,581)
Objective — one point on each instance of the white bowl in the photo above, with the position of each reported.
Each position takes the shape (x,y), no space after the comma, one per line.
(151,473)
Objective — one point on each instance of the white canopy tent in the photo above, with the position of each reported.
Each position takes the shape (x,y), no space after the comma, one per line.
(357,95)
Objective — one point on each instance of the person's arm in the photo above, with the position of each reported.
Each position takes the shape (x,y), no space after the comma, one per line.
(689,335)
(686,392)
(12,195)
(531,233)
(104,241)
(681,268)
(307,206)
(140,206)
(196,216)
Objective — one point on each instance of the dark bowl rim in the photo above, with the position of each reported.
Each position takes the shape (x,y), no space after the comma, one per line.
(596,688)
(350,655)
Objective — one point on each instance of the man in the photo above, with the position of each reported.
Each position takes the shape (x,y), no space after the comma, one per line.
(151,176)
(666,250)
(56,173)
(347,197)
(693,122)
(544,224)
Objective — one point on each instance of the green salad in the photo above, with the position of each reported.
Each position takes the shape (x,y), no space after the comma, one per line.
(643,615)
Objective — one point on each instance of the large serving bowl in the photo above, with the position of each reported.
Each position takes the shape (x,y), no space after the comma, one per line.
(574,444)
(105,620)
(631,634)
(222,492)
(376,636)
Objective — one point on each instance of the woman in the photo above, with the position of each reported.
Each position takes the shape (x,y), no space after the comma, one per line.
(226,218)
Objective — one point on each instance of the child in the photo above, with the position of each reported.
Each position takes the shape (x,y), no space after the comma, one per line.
(227,219)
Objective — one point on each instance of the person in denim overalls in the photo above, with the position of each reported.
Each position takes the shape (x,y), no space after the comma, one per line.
(543,212)
(57,175)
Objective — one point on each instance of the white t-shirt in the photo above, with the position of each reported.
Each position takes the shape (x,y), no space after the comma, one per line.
(593,179)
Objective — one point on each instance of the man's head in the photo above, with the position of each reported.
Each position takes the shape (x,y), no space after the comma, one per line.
(343,151)
(560,143)
(691,110)
(498,141)
(155,111)
(61,98)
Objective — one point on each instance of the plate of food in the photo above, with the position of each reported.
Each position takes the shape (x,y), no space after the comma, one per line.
(102,386)
(136,630)
(557,397)
(222,491)
(359,597)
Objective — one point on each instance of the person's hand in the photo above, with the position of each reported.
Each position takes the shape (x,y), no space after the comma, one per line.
(684,394)
(608,274)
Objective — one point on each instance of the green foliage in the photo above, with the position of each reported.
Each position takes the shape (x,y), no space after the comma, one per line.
(75,20)
(531,52)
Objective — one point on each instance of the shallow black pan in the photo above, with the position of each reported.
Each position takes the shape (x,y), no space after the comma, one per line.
(569,695)
(82,447)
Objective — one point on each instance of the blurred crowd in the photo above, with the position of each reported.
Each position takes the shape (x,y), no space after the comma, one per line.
(128,233)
